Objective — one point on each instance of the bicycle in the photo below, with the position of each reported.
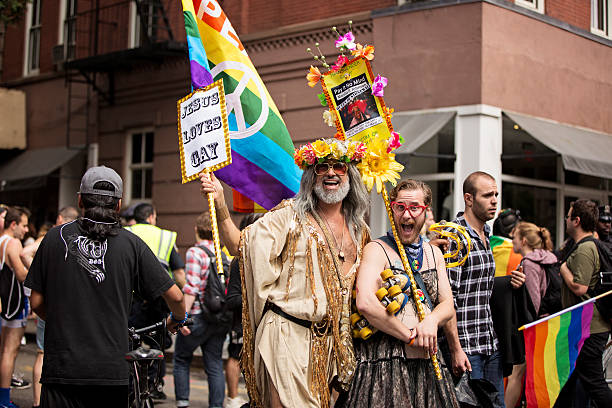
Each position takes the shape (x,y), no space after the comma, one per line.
(141,359)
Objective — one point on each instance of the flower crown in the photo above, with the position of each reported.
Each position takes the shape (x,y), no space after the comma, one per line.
(324,149)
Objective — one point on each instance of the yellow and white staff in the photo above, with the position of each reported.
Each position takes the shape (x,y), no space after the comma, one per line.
(379,166)
(204,143)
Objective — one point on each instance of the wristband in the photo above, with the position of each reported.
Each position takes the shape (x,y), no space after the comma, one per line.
(222,213)
(179,321)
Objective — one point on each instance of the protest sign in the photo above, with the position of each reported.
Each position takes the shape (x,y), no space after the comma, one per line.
(203,131)
(359,113)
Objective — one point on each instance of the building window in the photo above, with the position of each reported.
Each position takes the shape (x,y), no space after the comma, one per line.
(144,21)
(600,17)
(140,171)
(33,37)
(535,5)
(67,35)
(535,182)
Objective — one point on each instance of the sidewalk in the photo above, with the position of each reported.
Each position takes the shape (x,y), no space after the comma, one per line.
(199,385)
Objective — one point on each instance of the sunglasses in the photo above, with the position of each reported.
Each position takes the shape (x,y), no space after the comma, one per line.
(414,210)
(338,167)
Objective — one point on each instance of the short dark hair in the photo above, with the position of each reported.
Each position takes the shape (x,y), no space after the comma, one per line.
(142,212)
(469,184)
(588,213)
(410,185)
(203,226)
(249,219)
(14,214)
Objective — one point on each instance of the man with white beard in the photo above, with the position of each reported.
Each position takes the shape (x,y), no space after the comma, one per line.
(298,265)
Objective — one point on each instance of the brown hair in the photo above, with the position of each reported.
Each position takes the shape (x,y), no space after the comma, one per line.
(203,227)
(411,185)
(537,237)
(13,214)
(469,184)
(588,213)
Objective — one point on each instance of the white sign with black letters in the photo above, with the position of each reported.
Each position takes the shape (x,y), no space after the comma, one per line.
(203,131)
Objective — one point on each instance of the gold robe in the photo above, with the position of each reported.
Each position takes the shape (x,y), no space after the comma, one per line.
(285,261)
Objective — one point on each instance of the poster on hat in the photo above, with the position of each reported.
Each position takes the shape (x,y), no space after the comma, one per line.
(203,131)
(351,92)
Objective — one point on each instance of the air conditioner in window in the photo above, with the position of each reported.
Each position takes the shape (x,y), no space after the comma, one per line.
(59,56)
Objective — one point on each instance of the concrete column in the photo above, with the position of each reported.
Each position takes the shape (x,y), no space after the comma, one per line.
(379,220)
(478,146)
(70,181)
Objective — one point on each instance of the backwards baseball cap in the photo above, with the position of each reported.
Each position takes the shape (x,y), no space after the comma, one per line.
(101,173)
(604,214)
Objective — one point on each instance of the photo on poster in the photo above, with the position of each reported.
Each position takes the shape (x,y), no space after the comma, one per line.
(356,105)
(359,114)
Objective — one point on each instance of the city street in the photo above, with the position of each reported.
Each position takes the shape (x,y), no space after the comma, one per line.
(199,385)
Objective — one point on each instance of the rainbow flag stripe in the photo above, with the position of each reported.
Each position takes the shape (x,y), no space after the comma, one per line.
(262,151)
(506,260)
(551,350)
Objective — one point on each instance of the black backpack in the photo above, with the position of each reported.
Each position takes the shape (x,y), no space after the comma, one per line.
(212,301)
(604,281)
(12,296)
(551,301)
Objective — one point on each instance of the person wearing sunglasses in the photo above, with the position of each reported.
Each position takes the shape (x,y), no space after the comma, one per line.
(298,264)
(393,366)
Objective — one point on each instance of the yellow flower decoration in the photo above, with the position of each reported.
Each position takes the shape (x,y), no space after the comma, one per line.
(338,151)
(321,148)
(379,166)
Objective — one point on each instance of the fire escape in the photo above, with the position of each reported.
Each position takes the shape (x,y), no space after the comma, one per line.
(108,37)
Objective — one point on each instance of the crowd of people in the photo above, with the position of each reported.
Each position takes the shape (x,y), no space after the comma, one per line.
(298,274)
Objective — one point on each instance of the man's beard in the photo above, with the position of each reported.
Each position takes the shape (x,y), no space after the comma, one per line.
(332,197)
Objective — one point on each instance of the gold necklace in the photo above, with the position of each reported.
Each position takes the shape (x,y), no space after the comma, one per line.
(340,251)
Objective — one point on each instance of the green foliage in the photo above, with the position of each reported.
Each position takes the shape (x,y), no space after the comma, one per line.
(322,99)
(11,11)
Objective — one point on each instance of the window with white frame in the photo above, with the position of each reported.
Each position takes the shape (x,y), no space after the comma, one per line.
(144,19)
(140,167)
(33,24)
(536,5)
(600,17)
(67,30)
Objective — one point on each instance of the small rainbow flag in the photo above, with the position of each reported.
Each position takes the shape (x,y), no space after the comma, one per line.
(262,166)
(552,345)
(506,260)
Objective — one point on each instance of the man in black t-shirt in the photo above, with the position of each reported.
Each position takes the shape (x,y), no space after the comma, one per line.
(83,278)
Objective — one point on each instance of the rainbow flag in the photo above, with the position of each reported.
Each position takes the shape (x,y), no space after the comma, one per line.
(244,204)
(506,260)
(262,151)
(552,345)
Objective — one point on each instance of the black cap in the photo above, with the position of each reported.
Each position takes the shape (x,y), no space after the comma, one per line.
(505,222)
(604,214)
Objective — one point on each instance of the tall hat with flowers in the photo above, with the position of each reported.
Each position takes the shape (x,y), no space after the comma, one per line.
(374,142)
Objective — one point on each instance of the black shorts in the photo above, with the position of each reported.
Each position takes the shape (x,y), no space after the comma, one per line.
(83,396)
(234,350)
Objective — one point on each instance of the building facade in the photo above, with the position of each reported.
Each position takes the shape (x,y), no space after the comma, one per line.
(521,89)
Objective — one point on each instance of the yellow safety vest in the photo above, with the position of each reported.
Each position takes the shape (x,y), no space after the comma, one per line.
(160,241)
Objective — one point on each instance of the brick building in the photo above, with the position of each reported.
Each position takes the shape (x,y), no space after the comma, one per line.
(521,89)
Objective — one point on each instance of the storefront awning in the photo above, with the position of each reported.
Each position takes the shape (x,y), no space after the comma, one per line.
(418,128)
(23,170)
(583,151)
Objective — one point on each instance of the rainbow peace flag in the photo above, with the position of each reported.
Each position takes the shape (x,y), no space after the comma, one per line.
(552,345)
(262,166)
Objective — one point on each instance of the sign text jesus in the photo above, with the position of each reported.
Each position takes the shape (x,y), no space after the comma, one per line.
(202,131)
